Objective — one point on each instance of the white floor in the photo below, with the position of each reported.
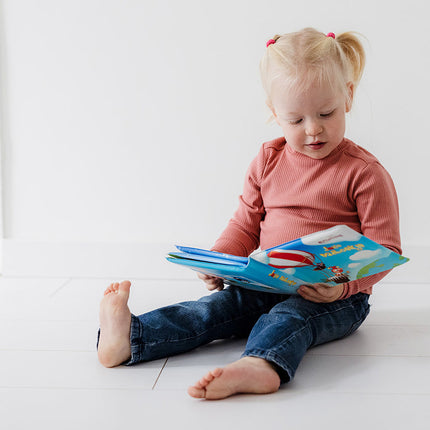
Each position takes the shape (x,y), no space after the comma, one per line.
(50,377)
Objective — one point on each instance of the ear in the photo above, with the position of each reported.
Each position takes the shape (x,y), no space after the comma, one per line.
(272,109)
(350,91)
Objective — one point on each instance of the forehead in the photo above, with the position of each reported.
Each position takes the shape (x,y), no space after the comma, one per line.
(288,98)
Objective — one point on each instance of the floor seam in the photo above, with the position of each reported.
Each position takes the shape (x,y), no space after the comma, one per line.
(65,283)
(159,374)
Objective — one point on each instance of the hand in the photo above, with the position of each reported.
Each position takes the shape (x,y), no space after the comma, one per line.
(321,293)
(212,282)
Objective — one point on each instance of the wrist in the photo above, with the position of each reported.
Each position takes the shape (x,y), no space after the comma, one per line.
(344,292)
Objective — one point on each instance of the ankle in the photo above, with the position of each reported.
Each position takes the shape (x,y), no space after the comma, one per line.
(262,363)
(258,361)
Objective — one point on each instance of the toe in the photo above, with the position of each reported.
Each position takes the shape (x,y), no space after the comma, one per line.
(199,385)
(216,373)
(198,393)
(207,378)
(124,289)
(109,289)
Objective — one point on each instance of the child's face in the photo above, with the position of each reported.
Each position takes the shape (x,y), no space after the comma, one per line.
(313,122)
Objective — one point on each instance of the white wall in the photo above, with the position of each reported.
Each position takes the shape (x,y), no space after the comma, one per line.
(134,121)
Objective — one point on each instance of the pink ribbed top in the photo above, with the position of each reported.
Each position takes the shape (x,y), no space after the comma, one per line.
(288,195)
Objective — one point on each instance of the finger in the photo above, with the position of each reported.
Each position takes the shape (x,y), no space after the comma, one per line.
(310,294)
(215,286)
(220,285)
(207,278)
(328,292)
(215,282)
(319,299)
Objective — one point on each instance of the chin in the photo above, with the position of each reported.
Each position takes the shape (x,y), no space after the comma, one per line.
(318,155)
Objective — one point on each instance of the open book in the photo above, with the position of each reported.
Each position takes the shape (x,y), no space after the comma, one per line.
(332,256)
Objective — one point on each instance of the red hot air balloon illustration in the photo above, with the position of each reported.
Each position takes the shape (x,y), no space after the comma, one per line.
(280,259)
(291,258)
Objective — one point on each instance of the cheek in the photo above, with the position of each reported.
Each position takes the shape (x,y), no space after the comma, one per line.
(337,127)
(291,132)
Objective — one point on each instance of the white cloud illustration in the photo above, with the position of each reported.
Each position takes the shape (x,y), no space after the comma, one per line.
(289,271)
(353,265)
(364,255)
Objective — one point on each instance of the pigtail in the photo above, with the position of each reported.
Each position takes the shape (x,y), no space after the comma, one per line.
(353,51)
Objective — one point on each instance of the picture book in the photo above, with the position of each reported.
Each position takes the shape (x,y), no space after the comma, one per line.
(333,256)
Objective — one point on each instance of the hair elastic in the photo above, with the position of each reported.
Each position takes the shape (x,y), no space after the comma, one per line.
(331,35)
(270,42)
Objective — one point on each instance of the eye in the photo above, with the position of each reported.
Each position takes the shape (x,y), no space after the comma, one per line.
(295,121)
(325,115)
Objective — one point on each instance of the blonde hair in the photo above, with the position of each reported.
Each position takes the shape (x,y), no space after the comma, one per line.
(302,58)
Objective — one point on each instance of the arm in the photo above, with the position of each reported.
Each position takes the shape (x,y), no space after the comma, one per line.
(377,208)
(242,234)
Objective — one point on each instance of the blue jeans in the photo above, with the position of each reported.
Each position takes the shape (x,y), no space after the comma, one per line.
(280,328)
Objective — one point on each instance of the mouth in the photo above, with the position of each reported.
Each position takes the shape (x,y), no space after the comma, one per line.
(316,145)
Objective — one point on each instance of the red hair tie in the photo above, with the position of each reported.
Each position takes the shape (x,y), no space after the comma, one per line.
(331,35)
(270,42)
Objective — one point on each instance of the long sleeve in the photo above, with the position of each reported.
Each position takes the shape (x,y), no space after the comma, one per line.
(242,234)
(378,211)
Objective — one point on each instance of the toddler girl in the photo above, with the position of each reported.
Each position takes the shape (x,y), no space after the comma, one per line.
(310,179)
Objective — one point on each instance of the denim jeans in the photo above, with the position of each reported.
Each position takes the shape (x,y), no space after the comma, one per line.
(280,328)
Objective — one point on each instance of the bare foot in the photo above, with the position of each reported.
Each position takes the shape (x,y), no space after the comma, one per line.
(115,320)
(247,375)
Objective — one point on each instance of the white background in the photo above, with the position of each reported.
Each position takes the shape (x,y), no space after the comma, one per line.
(127,121)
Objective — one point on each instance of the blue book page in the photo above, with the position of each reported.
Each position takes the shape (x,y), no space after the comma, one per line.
(202,253)
(235,275)
(206,258)
(334,256)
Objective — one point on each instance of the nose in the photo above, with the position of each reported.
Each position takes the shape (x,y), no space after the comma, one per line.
(313,128)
